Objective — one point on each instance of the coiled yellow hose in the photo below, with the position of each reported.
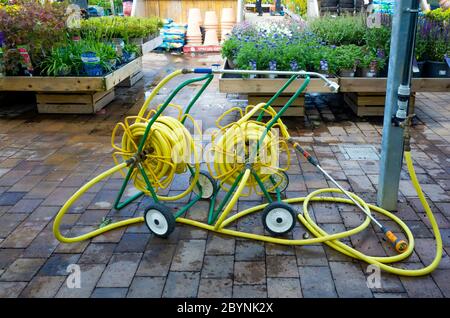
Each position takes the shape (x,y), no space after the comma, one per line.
(162,164)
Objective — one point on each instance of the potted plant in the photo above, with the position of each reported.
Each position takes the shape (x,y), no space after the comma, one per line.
(345,59)
(438,51)
(130,52)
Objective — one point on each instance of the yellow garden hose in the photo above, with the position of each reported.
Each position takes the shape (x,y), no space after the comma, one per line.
(164,155)
(332,240)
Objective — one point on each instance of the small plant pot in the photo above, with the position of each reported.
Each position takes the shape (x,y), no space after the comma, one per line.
(347,73)
(127,56)
(436,69)
(137,41)
(91,64)
(367,72)
(64,71)
(420,66)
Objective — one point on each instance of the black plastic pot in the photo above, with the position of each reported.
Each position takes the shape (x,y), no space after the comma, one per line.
(436,69)
(420,66)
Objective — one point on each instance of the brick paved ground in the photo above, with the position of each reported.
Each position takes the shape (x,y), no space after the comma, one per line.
(45,158)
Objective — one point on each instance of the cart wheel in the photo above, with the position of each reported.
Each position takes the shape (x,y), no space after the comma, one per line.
(208,184)
(160,220)
(278,218)
(283,185)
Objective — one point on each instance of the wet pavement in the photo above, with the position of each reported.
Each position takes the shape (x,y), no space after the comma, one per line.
(44,159)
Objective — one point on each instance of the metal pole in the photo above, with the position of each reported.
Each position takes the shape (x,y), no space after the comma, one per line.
(397,100)
(240,11)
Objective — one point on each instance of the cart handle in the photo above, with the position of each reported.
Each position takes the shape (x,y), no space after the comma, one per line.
(333,86)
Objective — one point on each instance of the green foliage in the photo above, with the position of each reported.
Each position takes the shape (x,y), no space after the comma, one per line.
(378,38)
(439,15)
(230,48)
(120,27)
(437,50)
(341,30)
(344,57)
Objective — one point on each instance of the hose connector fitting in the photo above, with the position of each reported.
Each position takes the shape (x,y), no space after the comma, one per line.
(404,92)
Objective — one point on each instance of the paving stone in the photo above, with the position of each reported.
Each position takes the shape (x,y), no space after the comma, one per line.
(25,206)
(45,214)
(23,269)
(97,253)
(249,251)
(156,260)
(249,273)
(442,279)
(281,266)
(277,249)
(22,236)
(188,256)
(215,288)
(249,291)
(390,295)
(421,287)
(120,270)
(9,222)
(220,266)
(317,282)
(59,196)
(113,236)
(109,293)
(57,264)
(146,287)
(11,198)
(92,217)
(181,285)
(89,275)
(8,256)
(311,255)
(283,288)
(43,245)
(43,287)
(349,280)
(132,242)
(220,245)
(326,213)
(11,289)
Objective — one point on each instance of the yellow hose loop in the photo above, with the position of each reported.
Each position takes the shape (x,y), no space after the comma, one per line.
(169,147)
(75,197)
(235,143)
(155,91)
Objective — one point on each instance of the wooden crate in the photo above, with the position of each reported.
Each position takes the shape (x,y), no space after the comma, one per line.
(132,79)
(368,104)
(74,103)
(297,108)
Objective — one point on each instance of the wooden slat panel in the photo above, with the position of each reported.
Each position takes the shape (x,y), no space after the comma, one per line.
(267,85)
(62,103)
(296,111)
(51,84)
(280,101)
(122,73)
(362,84)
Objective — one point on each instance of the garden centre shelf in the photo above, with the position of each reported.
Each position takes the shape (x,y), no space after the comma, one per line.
(81,94)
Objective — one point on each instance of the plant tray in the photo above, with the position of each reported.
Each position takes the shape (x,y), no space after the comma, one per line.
(70,84)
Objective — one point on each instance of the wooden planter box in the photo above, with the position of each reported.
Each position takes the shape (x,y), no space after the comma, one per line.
(367,96)
(151,44)
(262,89)
(72,94)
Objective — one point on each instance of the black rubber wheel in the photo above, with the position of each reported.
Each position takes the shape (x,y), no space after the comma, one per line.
(208,184)
(159,220)
(278,218)
(282,187)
